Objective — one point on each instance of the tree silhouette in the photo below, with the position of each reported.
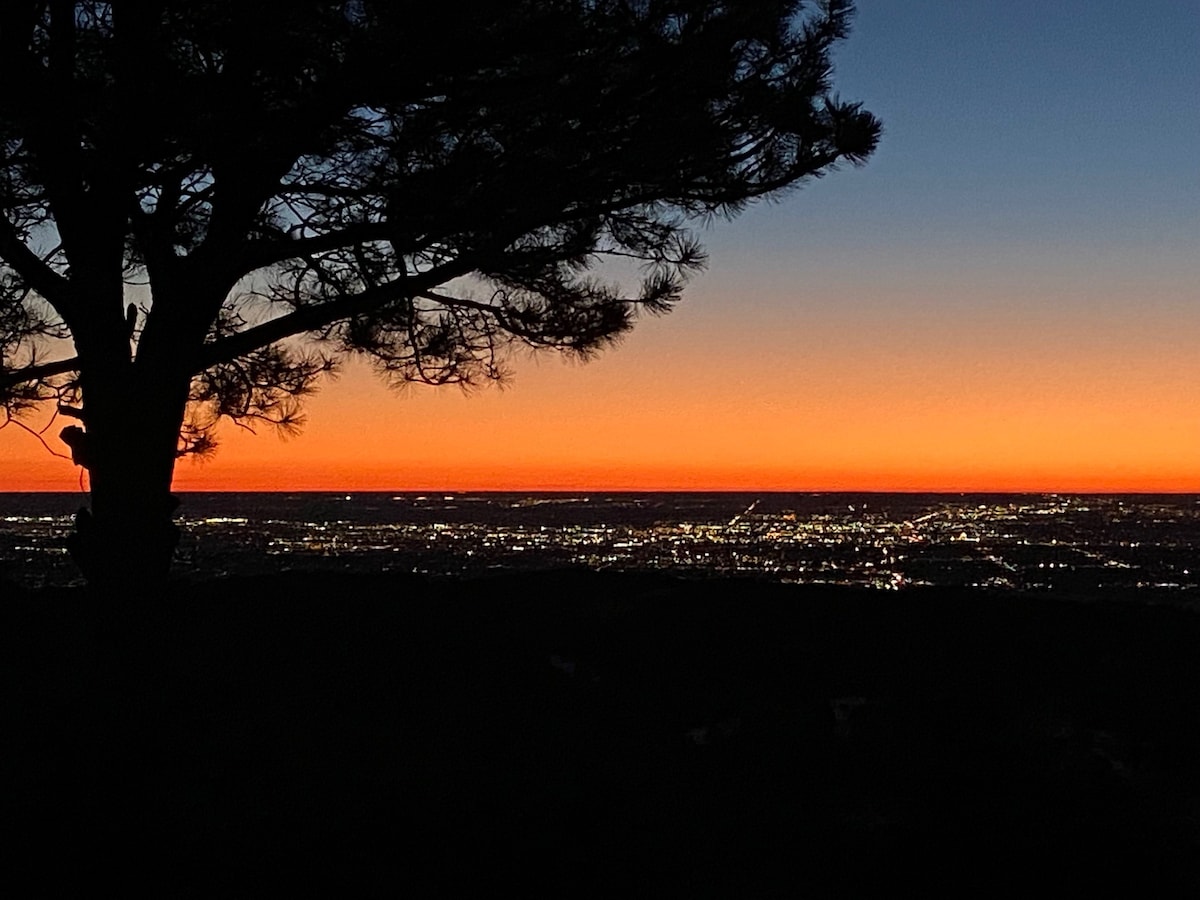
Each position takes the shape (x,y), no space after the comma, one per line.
(420,183)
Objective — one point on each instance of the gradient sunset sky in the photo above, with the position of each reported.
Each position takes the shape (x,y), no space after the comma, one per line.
(1007,297)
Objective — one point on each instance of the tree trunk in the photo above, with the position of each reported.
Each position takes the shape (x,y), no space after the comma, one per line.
(126,541)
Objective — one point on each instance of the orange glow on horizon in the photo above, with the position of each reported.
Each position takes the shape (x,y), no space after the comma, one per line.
(25,474)
(439,479)
(499,441)
(789,401)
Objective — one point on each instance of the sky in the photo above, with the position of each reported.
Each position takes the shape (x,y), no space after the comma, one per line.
(1006,297)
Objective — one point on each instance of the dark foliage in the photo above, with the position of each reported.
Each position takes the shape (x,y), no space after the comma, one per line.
(423,184)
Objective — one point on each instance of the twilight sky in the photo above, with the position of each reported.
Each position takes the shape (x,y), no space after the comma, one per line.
(1007,297)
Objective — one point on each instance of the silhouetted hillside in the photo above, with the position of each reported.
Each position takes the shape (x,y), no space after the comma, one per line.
(575,731)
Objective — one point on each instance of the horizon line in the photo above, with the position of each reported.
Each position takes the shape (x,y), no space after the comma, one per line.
(643,490)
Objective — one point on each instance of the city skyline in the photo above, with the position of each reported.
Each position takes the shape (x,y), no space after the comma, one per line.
(1003,298)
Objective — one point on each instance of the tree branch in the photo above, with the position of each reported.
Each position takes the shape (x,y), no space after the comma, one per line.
(11,420)
(37,373)
(33,269)
(262,253)
(311,318)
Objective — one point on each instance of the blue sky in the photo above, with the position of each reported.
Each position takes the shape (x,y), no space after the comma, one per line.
(1018,122)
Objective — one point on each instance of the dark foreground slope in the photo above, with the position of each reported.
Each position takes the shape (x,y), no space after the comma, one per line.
(584,732)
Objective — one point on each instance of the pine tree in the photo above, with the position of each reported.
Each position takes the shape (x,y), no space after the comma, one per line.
(423,184)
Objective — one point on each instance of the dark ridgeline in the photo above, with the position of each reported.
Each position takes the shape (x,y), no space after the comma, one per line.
(424,185)
(594,732)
